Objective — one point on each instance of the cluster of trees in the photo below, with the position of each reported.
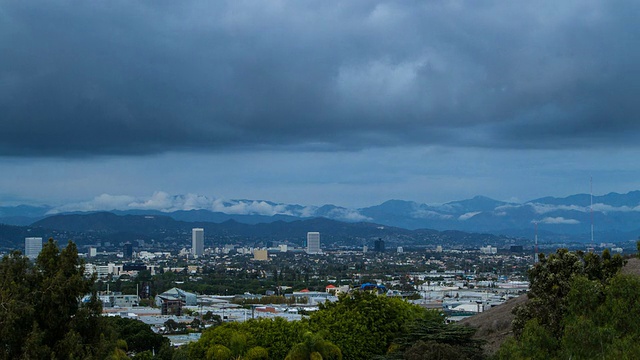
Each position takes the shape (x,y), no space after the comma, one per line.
(358,326)
(580,307)
(42,317)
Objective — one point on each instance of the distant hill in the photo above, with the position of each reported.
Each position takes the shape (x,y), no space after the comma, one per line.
(107,225)
(22,214)
(616,217)
(9,236)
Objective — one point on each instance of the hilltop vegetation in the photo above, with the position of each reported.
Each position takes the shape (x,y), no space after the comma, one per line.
(580,307)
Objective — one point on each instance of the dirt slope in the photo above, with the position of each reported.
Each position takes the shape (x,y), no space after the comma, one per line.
(494,325)
(632,267)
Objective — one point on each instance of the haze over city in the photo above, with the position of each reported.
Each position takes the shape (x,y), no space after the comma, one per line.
(351,103)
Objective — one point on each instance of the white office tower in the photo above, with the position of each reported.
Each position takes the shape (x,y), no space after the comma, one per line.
(197,242)
(32,247)
(313,242)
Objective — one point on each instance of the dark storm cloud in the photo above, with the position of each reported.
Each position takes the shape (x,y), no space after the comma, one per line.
(82,78)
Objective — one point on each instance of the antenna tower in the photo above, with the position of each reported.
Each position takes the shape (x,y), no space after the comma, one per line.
(535,254)
(591,207)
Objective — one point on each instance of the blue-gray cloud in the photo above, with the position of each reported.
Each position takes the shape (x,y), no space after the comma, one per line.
(86,78)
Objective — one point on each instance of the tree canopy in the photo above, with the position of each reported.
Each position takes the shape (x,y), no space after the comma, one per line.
(579,308)
(359,325)
(40,312)
(364,324)
(42,315)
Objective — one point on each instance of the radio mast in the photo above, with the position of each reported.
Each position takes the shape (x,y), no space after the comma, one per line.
(591,207)
(535,254)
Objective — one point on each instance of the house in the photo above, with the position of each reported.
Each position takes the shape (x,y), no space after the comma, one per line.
(337,290)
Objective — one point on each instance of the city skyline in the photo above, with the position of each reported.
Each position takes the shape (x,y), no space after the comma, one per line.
(348,103)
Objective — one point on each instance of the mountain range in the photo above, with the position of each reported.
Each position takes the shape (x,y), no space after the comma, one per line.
(100,227)
(615,217)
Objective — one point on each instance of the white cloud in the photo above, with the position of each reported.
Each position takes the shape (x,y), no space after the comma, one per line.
(249,207)
(508,207)
(429,214)
(158,201)
(308,211)
(102,202)
(347,215)
(559,221)
(545,208)
(162,201)
(608,208)
(468,215)
(599,207)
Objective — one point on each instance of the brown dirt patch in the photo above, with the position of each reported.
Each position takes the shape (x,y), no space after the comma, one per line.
(632,267)
(494,325)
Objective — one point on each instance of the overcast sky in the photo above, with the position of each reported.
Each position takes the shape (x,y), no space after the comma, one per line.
(343,102)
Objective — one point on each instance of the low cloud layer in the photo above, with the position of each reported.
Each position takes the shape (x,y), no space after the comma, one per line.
(162,201)
(559,221)
(94,78)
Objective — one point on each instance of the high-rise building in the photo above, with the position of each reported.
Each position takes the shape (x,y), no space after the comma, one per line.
(127,251)
(32,247)
(378,245)
(313,242)
(197,242)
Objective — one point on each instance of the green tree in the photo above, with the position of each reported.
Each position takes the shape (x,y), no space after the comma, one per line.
(551,282)
(314,347)
(276,336)
(41,315)
(138,335)
(578,308)
(256,353)
(431,338)
(363,324)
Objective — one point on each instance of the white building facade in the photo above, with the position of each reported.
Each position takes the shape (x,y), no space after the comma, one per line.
(32,247)
(313,242)
(197,242)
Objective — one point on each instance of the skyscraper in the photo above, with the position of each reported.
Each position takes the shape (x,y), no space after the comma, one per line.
(32,247)
(313,242)
(197,242)
(127,250)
